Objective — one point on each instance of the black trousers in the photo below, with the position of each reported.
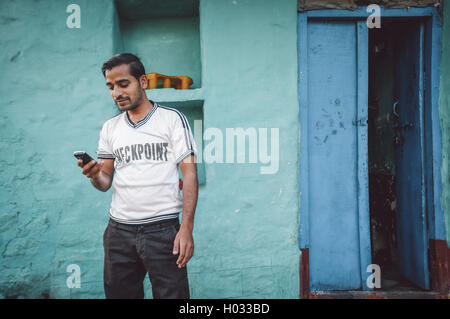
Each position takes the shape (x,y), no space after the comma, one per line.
(132,251)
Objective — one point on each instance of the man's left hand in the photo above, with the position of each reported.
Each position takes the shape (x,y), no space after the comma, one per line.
(184,245)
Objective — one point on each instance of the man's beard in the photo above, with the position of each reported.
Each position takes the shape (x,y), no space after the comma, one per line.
(133,105)
(128,108)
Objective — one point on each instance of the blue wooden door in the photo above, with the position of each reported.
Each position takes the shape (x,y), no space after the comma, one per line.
(334,174)
(411,197)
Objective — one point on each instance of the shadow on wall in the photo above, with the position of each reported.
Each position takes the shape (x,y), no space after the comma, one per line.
(27,288)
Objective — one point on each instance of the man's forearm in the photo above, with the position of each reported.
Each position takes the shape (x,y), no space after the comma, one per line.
(102,182)
(190,195)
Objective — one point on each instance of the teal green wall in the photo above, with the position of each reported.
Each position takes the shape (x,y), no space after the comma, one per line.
(169,46)
(246,222)
(54,102)
(444,111)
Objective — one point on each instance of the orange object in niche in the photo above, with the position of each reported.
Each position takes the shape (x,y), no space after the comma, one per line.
(179,82)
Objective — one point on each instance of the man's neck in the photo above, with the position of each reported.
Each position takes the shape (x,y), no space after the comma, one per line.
(141,111)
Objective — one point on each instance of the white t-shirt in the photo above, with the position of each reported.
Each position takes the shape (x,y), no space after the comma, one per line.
(146,156)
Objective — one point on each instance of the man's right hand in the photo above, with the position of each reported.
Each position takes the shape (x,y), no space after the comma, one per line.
(101,173)
(91,169)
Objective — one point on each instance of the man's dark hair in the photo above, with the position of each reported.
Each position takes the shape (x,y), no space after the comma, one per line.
(136,67)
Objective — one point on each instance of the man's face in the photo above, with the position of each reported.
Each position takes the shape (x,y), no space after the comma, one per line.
(125,90)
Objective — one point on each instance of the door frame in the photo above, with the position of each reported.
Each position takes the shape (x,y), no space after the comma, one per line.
(435,217)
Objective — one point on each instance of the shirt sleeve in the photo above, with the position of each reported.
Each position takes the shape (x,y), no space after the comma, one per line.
(182,139)
(104,146)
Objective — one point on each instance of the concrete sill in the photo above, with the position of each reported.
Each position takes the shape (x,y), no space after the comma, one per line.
(172,97)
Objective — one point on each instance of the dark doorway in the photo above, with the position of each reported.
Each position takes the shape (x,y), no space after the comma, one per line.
(395,75)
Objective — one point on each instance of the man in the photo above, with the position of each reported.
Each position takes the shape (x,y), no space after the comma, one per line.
(139,153)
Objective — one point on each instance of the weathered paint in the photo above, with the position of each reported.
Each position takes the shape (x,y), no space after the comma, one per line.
(333,152)
(308,77)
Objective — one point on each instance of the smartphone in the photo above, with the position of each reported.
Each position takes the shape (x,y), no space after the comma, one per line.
(83,156)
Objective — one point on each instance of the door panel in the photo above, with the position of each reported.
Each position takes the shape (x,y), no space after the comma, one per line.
(334,236)
(411,221)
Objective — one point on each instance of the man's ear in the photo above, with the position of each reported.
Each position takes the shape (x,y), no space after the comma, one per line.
(143,80)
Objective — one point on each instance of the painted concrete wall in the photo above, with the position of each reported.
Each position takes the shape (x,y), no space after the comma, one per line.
(54,102)
(169,46)
(247,222)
